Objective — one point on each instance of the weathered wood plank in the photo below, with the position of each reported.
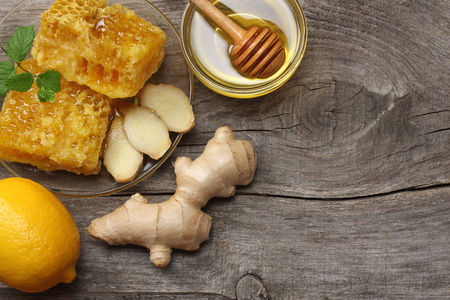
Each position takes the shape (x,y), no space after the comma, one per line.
(333,140)
(388,247)
(108,296)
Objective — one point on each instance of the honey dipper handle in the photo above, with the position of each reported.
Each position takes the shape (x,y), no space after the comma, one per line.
(234,31)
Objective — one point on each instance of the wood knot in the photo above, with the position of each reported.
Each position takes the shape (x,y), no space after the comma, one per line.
(250,287)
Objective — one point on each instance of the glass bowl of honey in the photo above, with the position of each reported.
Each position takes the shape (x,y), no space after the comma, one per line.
(207,48)
(173,70)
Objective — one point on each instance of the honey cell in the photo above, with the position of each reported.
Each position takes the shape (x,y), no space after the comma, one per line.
(107,48)
(65,135)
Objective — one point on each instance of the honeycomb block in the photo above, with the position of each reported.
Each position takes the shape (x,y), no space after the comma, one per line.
(65,135)
(107,48)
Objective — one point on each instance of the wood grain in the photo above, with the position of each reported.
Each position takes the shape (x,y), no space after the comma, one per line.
(351,195)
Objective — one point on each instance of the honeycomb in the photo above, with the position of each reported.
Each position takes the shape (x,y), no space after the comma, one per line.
(107,48)
(65,135)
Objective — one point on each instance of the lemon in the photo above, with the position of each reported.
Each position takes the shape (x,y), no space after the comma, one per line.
(39,240)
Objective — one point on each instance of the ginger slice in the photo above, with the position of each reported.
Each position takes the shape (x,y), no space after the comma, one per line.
(171,104)
(145,130)
(120,158)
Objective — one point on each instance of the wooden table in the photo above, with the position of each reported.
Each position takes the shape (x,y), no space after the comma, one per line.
(351,195)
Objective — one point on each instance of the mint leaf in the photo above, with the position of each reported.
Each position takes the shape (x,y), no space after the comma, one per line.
(50,79)
(17,48)
(19,44)
(3,90)
(20,82)
(7,70)
(49,83)
(45,95)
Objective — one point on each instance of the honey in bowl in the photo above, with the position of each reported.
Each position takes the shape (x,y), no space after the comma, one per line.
(207,48)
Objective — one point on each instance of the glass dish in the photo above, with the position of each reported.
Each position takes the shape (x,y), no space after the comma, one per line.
(174,70)
(207,48)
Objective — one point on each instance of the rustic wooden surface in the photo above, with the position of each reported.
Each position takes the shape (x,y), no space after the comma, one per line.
(351,199)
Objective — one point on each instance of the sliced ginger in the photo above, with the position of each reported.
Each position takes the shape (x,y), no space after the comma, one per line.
(121,159)
(134,131)
(171,104)
(145,130)
(179,222)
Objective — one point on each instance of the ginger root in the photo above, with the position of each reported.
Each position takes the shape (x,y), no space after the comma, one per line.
(179,222)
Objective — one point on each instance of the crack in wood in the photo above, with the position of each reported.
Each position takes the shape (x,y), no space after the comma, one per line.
(435,131)
(350,198)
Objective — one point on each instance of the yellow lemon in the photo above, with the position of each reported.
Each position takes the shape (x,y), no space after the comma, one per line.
(39,240)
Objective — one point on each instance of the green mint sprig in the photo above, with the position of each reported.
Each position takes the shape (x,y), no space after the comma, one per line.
(49,82)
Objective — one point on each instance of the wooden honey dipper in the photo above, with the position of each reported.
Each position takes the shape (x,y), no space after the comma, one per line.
(257,52)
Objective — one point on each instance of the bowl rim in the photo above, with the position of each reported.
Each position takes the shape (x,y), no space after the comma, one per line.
(252,92)
(159,162)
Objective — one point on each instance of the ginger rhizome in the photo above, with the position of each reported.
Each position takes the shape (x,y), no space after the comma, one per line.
(179,222)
